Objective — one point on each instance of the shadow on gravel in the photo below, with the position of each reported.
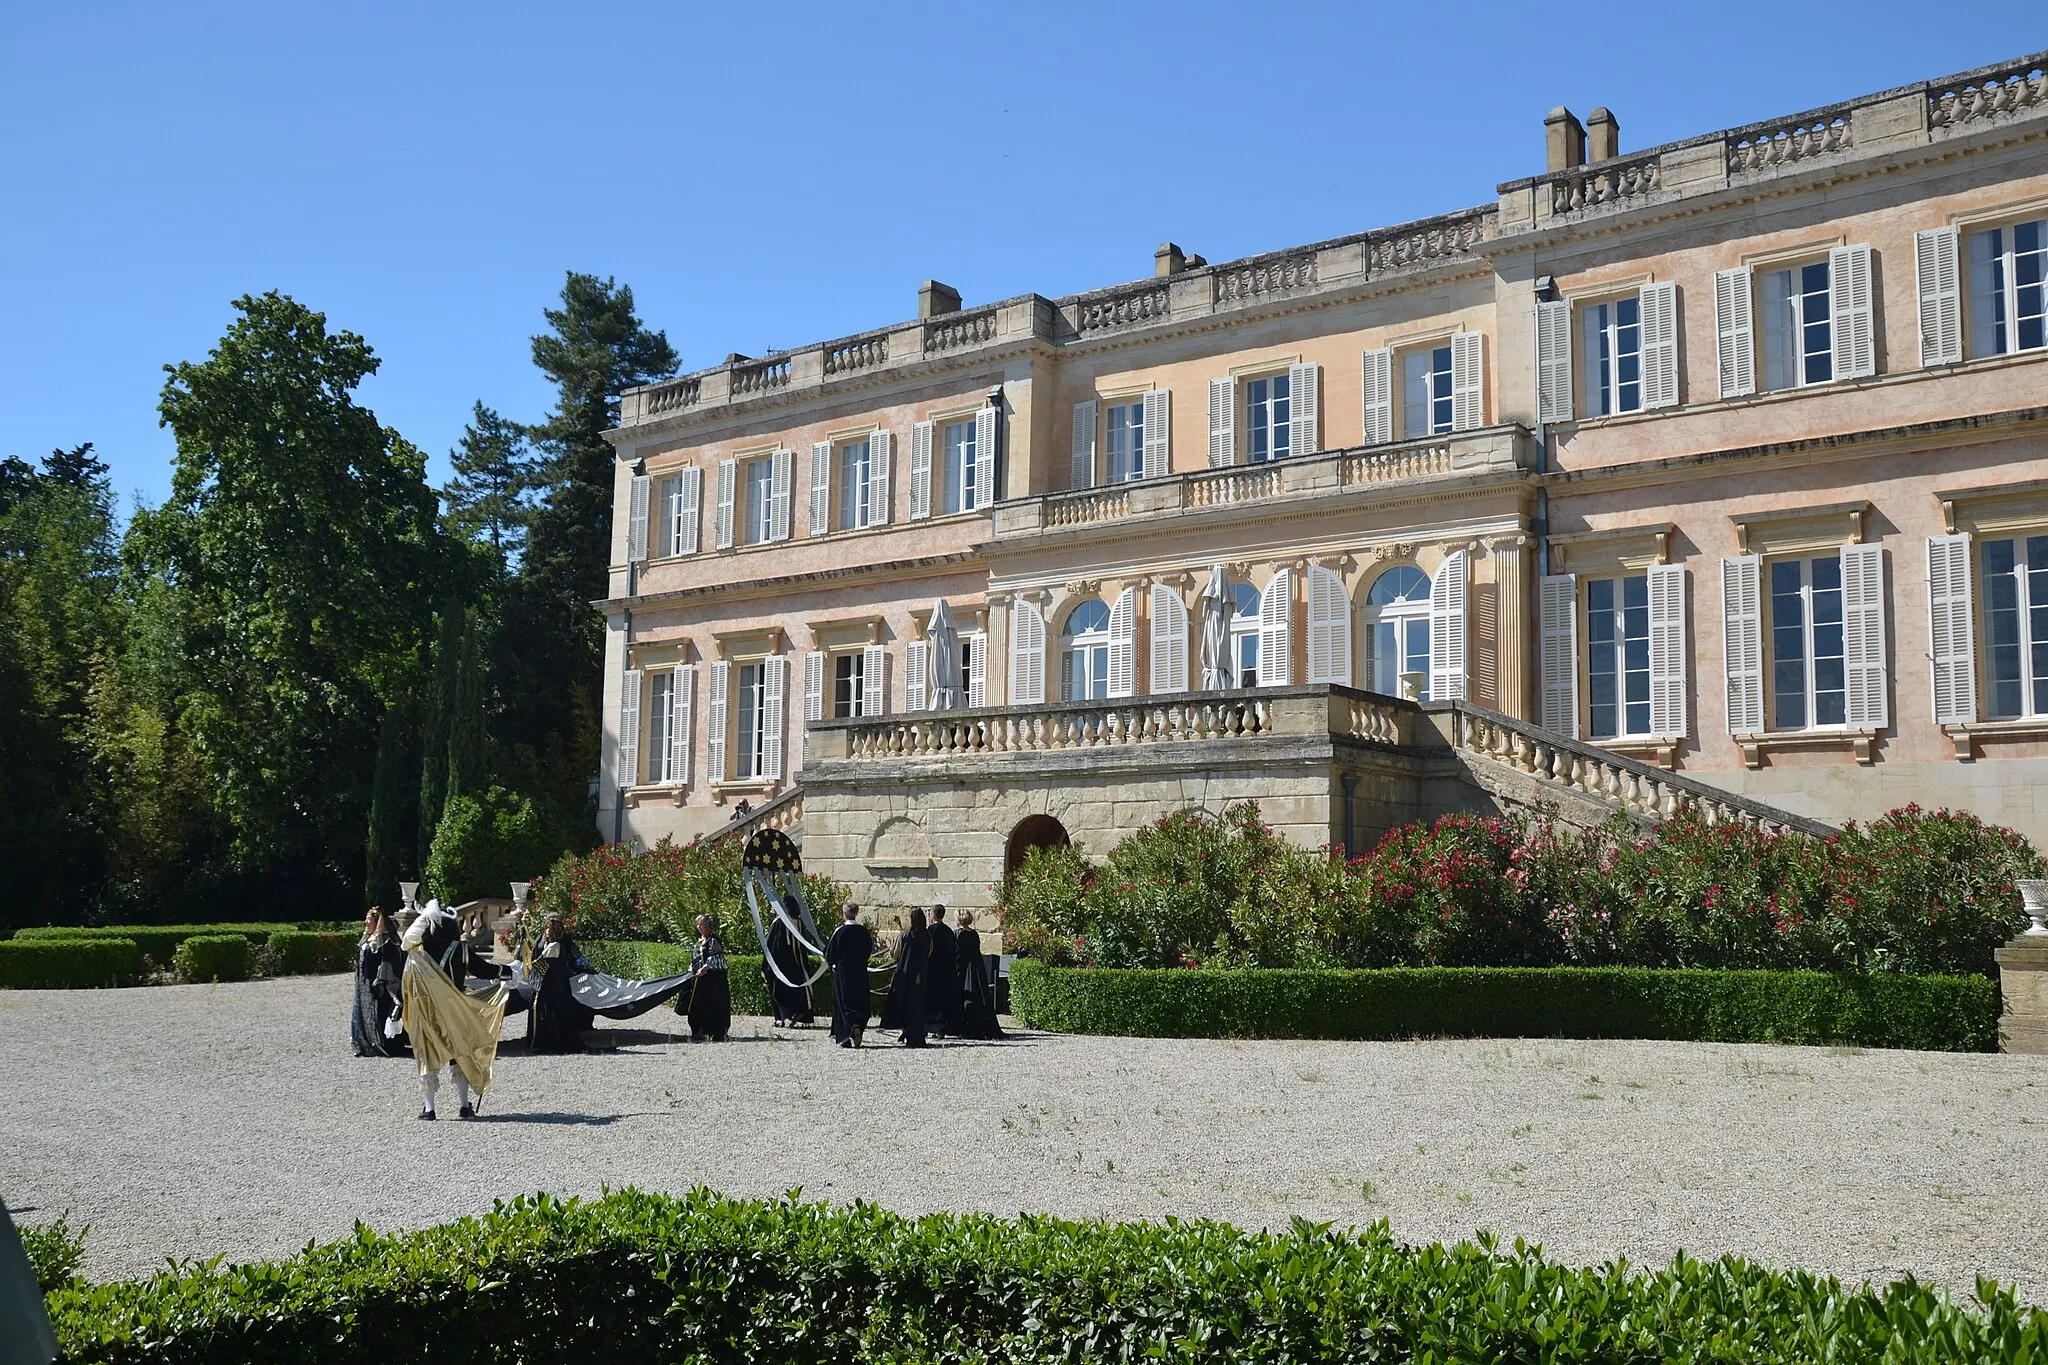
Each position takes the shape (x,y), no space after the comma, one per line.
(566,1120)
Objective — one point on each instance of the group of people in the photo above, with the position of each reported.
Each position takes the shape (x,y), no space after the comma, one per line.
(942,987)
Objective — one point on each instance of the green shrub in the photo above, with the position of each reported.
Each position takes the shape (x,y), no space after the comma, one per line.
(300,953)
(487,840)
(55,1250)
(698,1277)
(159,942)
(67,963)
(621,891)
(214,957)
(1939,1013)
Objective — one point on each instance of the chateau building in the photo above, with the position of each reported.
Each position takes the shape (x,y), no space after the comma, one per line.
(1728,456)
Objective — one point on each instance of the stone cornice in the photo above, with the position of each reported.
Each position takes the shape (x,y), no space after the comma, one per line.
(886,571)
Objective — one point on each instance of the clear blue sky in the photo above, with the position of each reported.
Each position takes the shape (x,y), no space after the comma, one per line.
(768,175)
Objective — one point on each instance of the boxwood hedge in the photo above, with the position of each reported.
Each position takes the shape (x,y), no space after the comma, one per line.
(1940,1013)
(215,957)
(298,952)
(65,964)
(636,1277)
(159,942)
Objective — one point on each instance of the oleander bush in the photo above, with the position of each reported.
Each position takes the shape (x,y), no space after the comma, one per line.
(67,964)
(699,1277)
(215,957)
(54,1250)
(1917,891)
(295,952)
(624,891)
(1875,1009)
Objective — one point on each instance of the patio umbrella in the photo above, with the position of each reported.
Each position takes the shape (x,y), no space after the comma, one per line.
(944,641)
(1216,611)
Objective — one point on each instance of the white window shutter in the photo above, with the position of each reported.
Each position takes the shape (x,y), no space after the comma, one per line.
(874,681)
(1449,658)
(821,487)
(691,513)
(1558,610)
(814,686)
(1853,312)
(728,478)
(1379,396)
(636,520)
(1554,361)
(917,674)
(629,728)
(1863,635)
(780,476)
(1468,381)
(1659,305)
(977,671)
(1276,631)
(1667,649)
(682,737)
(1123,644)
(774,676)
(1027,655)
(1084,445)
(1735,326)
(985,459)
(1951,629)
(1222,423)
(1329,628)
(721,690)
(1305,391)
(1936,265)
(1158,433)
(1742,642)
(881,446)
(1169,640)
(921,471)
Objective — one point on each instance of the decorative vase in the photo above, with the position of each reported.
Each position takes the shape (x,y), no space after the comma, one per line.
(2034,894)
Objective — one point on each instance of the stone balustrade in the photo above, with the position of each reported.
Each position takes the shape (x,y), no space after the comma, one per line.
(1224,487)
(674,396)
(1427,242)
(1125,308)
(760,376)
(1070,725)
(785,812)
(957,331)
(860,353)
(1264,275)
(1389,466)
(1988,94)
(1087,506)
(1764,147)
(1605,185)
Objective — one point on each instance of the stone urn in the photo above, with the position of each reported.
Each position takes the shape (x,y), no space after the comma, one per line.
(2034,897)
(2023,977)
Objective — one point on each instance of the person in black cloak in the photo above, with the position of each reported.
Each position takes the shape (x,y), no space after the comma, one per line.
(848,951)
(905,1007)
(380,967)
(791,1003)
(710,1007)
(556,1022)
(977,993)
(942,986)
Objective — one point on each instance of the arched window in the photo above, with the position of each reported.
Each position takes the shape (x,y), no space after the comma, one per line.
(1244,634)
(1084,653)
(1397,628)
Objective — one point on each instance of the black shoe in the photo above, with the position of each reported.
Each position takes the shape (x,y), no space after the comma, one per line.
(468,1112)
(427,1115)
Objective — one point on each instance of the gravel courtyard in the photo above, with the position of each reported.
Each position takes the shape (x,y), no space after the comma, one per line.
(195,1120)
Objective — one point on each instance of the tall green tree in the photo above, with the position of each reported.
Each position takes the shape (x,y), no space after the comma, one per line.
(298,555)
(495,472)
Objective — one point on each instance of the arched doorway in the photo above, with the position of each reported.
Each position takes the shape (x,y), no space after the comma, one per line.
(1033,831)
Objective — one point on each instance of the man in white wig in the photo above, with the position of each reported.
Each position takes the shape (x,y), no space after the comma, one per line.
(447,1027)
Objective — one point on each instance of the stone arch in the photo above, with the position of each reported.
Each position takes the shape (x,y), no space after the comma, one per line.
(1033,831)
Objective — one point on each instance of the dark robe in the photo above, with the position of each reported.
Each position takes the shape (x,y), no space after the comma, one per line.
(710,996)
(791,1004)
(977,990)
(446,949)
(848,951)
(557,1020)
(905,1007)
(942,985)
(379,969)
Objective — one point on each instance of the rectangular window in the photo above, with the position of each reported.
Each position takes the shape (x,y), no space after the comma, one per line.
(854,465)
(661,705)
(669,540)
(848,681)
(1613,349)
(1618,656)
(960,493)
(1400,645)
(2015,592)
(751,685)
(2009,289)
(1809,677)
(1798,330)
(1127,442)
(759,522)
(1268,411)
(1426,392)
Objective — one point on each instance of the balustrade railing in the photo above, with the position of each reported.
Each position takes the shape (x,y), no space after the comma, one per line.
(760,376)
(952,331)
(1386,466)
(1426,242)
(673,396)
(1760,148)
(1223,487)
(1997,92)
(859,354)
(785,812)
(1087,506)
(1147,304)
(1078,725)
(1604,185)
(1248,281)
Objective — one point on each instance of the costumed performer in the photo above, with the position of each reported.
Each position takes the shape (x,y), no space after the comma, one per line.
(977,993)
(791,1004)
(905,1007)
(942,981)
(557,1020)
(710,991)
(447,1027)
(380,963)
(848,952)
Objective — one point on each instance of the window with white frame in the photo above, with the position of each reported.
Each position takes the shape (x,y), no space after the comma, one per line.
(758,520)
(750,714)
(679,513)
(1611,342)
(2014,578)
(1268,418)
(1798,326)
(1618,657)
(1126,433)
(661,710)
(849,682)
(1808,664)
(855,478)
(1818,317)
(1084,652)
(1244,633)
(961,468)
(2009,289)
(1426,407)
(1397,608)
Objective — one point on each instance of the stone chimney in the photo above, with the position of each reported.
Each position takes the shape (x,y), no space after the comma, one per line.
(934,298)
(1169,260)
(1564,140)
(1603,135)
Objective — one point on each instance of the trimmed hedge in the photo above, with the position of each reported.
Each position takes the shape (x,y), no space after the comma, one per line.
(159,942)
(215,957)
(1937,1013)
(297,952)
(639,960)
(642,1277)
(67,964)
